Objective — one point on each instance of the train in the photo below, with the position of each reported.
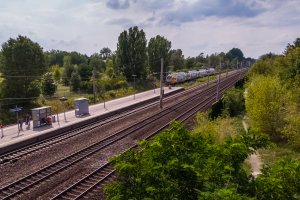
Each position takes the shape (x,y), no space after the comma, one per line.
(180,77)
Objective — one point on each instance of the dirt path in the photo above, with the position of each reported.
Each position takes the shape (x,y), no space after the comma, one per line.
(255,162)
(254,159)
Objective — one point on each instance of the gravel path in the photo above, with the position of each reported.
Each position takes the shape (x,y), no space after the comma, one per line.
(254,159)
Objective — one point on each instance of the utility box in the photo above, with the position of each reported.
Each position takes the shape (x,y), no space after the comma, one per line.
(41,116)
(81,106)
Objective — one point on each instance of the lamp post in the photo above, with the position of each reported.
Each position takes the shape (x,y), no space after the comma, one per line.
(63,99)
(17,110)
(133,75)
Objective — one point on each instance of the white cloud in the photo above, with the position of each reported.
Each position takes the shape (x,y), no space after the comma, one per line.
(254,26)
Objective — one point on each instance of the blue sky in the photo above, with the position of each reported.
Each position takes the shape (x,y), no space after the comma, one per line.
(195,26)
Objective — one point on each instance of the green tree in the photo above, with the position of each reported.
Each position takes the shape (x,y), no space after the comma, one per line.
(158,47)
(105,53)
(77,58)
(176,59)
(75,81)
(266,102)
(85,71)
(281,181)
(179,164)
(131,53)
(22,63)
(96,63)
(55,57)
(67,71)
(264,66)
(234,102)
(235,53)
(190,62)
(48,84)
(34,89)
(56,74)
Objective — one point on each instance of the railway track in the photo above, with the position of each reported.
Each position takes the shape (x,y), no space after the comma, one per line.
(22,152)
(51,170)
(101,175)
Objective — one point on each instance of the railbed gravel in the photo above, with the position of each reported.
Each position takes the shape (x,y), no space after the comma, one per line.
(26,165)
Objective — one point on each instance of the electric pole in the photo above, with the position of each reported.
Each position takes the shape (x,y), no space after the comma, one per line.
(94,86)
(218,83)
(161,82)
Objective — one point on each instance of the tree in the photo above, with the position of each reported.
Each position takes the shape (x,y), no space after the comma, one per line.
(190,62)
(263,66)
(96,63)
(266,102)
(131,53)
(292,46)
(48,84)
(234,102)
(85,71)
(158,47)
(176,59)
(67,71)
(56,73)
(105,53)
(22,64)
(75,81)
(235,53)
(281,181)
(179,164)
(55,57)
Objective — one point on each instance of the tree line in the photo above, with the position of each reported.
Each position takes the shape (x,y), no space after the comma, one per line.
(273,95)
(26,71)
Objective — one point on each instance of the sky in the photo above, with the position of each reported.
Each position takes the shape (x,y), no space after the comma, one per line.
(194,26)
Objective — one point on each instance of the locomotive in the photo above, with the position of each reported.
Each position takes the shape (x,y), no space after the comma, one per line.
(180,77)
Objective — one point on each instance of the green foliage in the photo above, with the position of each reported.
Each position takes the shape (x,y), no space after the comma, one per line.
(263,67)
(34,89)
(222,194)
(85,71)
(56,73)
(48,84)
(292,130)
(219,129)
(158,47)
(96,63)
(22,64)
(179,164)
(266,102)
(75,81)
(281,181)
(216,109)
(131,53)
(176,59)
(105,53)
(235,53)
(234,102)
(55,57)
(67,71)
(273,102)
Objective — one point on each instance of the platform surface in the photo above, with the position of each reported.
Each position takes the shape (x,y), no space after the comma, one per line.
(12,136)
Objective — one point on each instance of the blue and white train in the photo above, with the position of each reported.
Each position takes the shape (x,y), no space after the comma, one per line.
(180,77)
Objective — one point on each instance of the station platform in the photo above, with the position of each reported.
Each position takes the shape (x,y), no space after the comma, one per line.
(14,139)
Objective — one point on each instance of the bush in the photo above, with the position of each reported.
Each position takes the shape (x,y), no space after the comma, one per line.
(234,102)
